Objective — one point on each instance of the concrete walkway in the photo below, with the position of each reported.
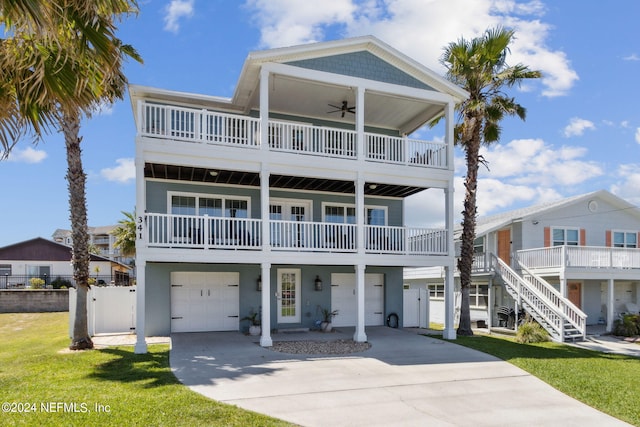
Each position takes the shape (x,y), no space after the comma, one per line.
(403,379)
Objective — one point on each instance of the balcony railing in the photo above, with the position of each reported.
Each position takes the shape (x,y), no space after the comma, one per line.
(580,257)
(204,232)
(207,127)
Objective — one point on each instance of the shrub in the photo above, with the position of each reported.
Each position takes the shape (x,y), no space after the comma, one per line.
(36,283)
(61,283)
(627,326)
(531,332)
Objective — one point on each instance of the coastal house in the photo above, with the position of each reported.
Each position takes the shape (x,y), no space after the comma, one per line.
(289,197)
(569,264)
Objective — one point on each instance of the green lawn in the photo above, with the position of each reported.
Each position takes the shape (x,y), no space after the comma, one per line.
(49,386)
(609,383)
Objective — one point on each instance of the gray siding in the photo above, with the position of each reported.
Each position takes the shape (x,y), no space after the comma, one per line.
(364,65)
(158,291)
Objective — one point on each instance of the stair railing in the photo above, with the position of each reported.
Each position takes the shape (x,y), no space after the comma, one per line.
(543,310)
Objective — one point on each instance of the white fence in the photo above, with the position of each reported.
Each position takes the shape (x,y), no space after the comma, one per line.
(110,309)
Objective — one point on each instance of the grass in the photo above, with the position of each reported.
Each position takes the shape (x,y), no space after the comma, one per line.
(607,382)
(111,386)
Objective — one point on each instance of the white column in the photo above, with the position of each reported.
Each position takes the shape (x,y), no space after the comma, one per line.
(360,335)
(265,337)
(449,332)
(449,269)
(610,304)
(141,247)
(360,123)
(359,183)
(141,343)
(264,108)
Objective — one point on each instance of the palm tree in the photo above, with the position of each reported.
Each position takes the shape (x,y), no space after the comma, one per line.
(62,61)
(126,234)
(479,66)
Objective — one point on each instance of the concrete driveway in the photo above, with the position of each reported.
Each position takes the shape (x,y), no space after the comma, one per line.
(403,379)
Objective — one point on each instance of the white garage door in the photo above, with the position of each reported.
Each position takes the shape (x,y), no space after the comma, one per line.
(203,302)
(343,299)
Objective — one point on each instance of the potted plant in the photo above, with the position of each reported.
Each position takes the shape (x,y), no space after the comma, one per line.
(254,323)
(327,316)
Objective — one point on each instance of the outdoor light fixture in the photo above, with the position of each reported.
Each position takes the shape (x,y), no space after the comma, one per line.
(318,283)
(259,283)
(373,186)
(213,173)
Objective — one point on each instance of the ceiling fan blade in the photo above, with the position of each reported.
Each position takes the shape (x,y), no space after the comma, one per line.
(335,106)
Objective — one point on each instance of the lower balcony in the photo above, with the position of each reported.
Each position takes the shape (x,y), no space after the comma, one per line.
(215,233)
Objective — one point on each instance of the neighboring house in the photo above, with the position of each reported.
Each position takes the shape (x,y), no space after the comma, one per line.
(51,261)
(100,237)
(289,196)
(585,247)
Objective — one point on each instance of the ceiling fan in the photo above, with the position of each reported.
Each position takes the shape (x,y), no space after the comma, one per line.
(344,108)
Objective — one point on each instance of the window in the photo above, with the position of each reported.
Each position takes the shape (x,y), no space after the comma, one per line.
(565,236)
(624,239)
(346,214)
(204,204)
(436,290)
(478,295)
(5,270)
(478,245)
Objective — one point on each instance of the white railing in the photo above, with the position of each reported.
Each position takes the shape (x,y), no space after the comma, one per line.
(580,257)
(189,231)
(398,150)
(207,127)
(549,307)
(204,232)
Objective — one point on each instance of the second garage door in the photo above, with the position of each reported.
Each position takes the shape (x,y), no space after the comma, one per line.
(202,302)
(343,299)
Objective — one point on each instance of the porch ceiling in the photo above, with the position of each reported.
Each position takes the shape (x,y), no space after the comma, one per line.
(252,179)
(312,99)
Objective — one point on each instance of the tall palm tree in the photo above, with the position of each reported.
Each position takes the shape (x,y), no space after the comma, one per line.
(479,66)
(61,61)
(125,234)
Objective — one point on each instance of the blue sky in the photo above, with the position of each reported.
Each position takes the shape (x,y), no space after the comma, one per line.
(582,131)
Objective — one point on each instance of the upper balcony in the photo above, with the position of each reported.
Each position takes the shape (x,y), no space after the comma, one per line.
(580,257)
(201,126)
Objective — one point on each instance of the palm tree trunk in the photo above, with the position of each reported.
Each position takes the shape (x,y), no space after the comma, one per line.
(76,180)
(465,262)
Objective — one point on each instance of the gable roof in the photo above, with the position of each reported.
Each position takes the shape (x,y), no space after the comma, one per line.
(491,223)
(41,249)
(310,93)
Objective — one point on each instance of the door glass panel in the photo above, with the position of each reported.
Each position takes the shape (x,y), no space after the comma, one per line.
(211,207)
(334,214)
(288,295)
(236,209)
(375,216)
(183,205)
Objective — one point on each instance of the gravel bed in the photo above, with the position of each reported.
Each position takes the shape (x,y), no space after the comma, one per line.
(320,347)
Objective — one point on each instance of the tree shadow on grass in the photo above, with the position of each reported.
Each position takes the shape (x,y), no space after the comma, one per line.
(508,350)
(149,370)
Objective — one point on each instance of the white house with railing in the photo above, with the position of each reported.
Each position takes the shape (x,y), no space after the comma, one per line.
(289,197)
(569,264)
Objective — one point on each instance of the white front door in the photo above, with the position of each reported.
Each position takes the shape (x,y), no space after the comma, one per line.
(343,299)
(288,295)
(203,301)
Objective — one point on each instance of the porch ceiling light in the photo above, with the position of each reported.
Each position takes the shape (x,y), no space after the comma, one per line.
(318,283)
(373,186)
(213,173)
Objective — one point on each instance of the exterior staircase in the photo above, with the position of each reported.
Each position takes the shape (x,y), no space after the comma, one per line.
(559,316)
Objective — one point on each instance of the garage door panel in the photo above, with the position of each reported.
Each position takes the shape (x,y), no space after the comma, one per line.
(202,302)
(343,299)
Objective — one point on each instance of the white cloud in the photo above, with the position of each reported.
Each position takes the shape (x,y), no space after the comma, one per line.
(292,22)
(577,126)
(176,10)
(420,29)
(28,155)
(638,135)
(124,172)
(632,57)
(628,184)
